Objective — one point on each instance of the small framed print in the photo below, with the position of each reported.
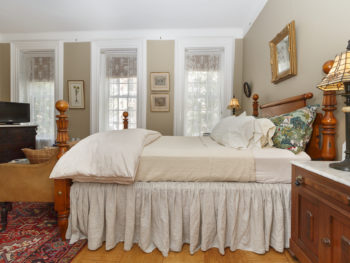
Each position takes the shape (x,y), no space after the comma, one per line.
(159,102)
(76,94)
(160,81)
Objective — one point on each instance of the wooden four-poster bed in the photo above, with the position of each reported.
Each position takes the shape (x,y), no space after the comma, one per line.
(321,146)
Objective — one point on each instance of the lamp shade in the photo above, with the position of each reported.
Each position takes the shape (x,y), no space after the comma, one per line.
(339,73)
(234,104)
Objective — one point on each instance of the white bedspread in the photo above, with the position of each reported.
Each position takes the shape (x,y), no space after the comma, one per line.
(194,159)
(201,159)
(108,157)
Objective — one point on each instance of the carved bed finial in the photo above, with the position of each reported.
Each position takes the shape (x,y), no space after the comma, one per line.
(308,95)
(255,105)
(62,127)
(125,121)
(326,67)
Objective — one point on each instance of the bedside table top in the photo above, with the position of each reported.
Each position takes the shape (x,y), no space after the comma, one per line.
(322,168)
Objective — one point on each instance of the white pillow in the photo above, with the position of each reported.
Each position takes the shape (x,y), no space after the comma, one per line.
(233,131)
(243,132)
(264,129)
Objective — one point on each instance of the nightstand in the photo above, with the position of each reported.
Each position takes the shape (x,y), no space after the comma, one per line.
(320,213)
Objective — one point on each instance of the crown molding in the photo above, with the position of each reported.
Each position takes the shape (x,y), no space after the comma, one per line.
(254,15)
(149,34)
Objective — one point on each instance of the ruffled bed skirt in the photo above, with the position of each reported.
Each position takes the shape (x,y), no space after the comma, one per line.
(165,215)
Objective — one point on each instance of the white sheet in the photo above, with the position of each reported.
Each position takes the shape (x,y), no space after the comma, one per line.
(272,165)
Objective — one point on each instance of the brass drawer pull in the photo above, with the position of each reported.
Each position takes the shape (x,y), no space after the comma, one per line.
(326,241)
(299,180)
(59,193)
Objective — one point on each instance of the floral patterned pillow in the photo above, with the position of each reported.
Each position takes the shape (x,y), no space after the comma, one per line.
(294,129)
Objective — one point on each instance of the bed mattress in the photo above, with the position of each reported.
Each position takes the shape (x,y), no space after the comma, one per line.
(201,159)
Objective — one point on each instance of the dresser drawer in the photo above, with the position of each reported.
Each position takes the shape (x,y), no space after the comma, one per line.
(324,188)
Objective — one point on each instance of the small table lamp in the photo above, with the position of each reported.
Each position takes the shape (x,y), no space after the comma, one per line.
(234,104)
(337,79)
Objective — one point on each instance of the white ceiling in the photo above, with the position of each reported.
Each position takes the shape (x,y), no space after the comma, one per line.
(37,16)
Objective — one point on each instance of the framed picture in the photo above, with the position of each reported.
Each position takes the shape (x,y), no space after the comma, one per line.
(76,94)
(160,102)
(283,54)
(160,81)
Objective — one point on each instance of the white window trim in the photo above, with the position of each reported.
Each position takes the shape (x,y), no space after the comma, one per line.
(96,47)
(18,47)
(228,45)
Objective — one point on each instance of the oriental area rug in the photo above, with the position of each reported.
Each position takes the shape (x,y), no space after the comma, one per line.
(32,236)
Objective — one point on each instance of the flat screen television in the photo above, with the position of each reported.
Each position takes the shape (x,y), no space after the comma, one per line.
(14,112)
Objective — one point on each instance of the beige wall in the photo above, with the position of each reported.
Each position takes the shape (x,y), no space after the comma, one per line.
(238,72)
(5,77)
(77,67)
(160,58)
(322,31)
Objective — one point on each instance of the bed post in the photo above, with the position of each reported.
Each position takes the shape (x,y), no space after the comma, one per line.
(329,123)
(62,186)
(125,120)
(255,105)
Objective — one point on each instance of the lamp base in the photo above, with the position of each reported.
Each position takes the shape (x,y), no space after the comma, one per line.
(343,166)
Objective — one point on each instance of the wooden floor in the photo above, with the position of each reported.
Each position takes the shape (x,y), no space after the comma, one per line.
(136,255)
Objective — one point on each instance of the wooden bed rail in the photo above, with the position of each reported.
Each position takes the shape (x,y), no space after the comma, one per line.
(317,149)
(62,186)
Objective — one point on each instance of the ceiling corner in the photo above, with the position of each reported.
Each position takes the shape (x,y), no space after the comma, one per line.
(254,15)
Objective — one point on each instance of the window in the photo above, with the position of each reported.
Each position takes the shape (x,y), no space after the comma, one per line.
(37,87)
(119,82)
(203,84)
(37,79)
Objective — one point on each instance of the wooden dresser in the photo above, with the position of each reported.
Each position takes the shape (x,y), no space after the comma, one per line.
(13,138)
(320,213)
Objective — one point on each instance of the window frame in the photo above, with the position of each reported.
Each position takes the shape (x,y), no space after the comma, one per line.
(96,114)
(227,44)
(18,47)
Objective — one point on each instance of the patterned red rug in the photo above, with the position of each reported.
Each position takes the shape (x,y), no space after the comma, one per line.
(32,235)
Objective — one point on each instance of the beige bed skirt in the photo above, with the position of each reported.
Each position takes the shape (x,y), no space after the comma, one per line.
(165,215)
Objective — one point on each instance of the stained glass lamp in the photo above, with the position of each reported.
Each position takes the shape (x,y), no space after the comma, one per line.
(338,79)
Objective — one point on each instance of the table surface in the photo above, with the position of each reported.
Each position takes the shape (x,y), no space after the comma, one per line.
(322,168)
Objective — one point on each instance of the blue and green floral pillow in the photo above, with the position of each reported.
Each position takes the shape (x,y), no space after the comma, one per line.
(294,129)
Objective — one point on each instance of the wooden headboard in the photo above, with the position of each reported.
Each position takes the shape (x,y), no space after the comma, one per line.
(322,143)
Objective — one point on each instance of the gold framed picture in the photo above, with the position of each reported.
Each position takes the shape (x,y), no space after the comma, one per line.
(76,94)
(160,102)
(283,57)
(160,81)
